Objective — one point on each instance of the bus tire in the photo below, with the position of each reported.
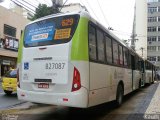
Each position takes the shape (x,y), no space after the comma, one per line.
(119,95)
(8,92)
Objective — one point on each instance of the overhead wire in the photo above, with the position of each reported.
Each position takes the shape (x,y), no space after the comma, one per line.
(63,5)
(29,4)
(103,13)
(23,5)
(38,1)
(82,2)
(92,10)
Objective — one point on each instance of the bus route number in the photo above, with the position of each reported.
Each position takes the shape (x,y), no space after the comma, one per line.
(54,66)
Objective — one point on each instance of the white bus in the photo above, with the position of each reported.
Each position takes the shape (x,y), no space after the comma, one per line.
(72,60)
(149,72)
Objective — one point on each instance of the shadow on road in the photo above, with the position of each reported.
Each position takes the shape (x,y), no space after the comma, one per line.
(13,95)
(92,113)
(136,103)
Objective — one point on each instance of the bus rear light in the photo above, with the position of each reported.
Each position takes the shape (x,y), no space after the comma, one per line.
(18,84)
(76,85)
(65,99)
(22,95)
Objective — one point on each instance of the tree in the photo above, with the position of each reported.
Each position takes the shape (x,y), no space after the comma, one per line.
(44,10)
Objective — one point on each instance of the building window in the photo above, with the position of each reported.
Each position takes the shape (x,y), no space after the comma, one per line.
(152,39)
(151,58)
(152,9)
(10,43)
(152,29)
(158,18)
(9,30)
(153,1)
(158,58)
(158,48)
(158,28)
(151,48)
(152,19)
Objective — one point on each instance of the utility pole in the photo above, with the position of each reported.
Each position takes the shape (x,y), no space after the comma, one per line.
(133,40)
(134,35)
(55,6)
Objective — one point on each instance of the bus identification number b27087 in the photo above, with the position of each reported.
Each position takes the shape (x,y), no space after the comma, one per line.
(54,66)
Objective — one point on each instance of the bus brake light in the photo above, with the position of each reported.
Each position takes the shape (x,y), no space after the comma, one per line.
(76,85)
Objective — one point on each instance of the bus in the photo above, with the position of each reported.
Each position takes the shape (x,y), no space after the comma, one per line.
(70,59)
(149,72)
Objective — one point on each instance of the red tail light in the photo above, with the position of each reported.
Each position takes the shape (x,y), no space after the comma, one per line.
(18,84)
(76,85)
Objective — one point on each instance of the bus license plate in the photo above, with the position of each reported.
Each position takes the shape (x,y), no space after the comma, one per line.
(43,85)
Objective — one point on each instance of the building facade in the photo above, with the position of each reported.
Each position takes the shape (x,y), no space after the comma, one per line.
(153,37)
(141,28)
(73,7)
(11,27)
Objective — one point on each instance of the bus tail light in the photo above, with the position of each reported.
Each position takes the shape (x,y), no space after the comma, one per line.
(76,85)
(18,84)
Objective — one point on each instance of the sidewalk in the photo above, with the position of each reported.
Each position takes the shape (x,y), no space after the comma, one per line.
(154,106)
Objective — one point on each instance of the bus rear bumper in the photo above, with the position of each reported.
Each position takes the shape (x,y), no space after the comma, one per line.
(71,99)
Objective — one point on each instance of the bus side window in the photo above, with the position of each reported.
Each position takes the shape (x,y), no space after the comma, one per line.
(100,46)
(125,54)
(120,52)
(108,50)
(115,53)
(129,60)
(92,43)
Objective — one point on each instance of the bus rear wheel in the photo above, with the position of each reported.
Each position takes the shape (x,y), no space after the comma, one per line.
(119,95)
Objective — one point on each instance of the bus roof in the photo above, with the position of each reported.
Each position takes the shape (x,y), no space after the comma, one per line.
(88,16)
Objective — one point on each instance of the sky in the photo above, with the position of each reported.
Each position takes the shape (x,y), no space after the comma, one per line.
(117,14)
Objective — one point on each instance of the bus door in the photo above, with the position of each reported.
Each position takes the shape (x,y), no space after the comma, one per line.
(133,71)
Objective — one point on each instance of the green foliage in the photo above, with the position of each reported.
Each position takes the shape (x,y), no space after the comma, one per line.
(43,10)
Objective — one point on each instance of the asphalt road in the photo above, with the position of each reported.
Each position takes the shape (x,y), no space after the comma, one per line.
(8,101)
(133,108)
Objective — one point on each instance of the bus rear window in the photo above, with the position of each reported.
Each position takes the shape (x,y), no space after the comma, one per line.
(51,31)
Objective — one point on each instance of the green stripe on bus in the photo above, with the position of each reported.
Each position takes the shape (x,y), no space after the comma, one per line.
(20,49)
(79,49)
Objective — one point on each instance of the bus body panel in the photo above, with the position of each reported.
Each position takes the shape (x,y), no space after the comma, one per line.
(136,79)
(72,99)
(148,76)
(38,59)
(35,60)
(104,80)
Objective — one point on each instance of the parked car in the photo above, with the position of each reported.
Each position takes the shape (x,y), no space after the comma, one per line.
(9,81)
